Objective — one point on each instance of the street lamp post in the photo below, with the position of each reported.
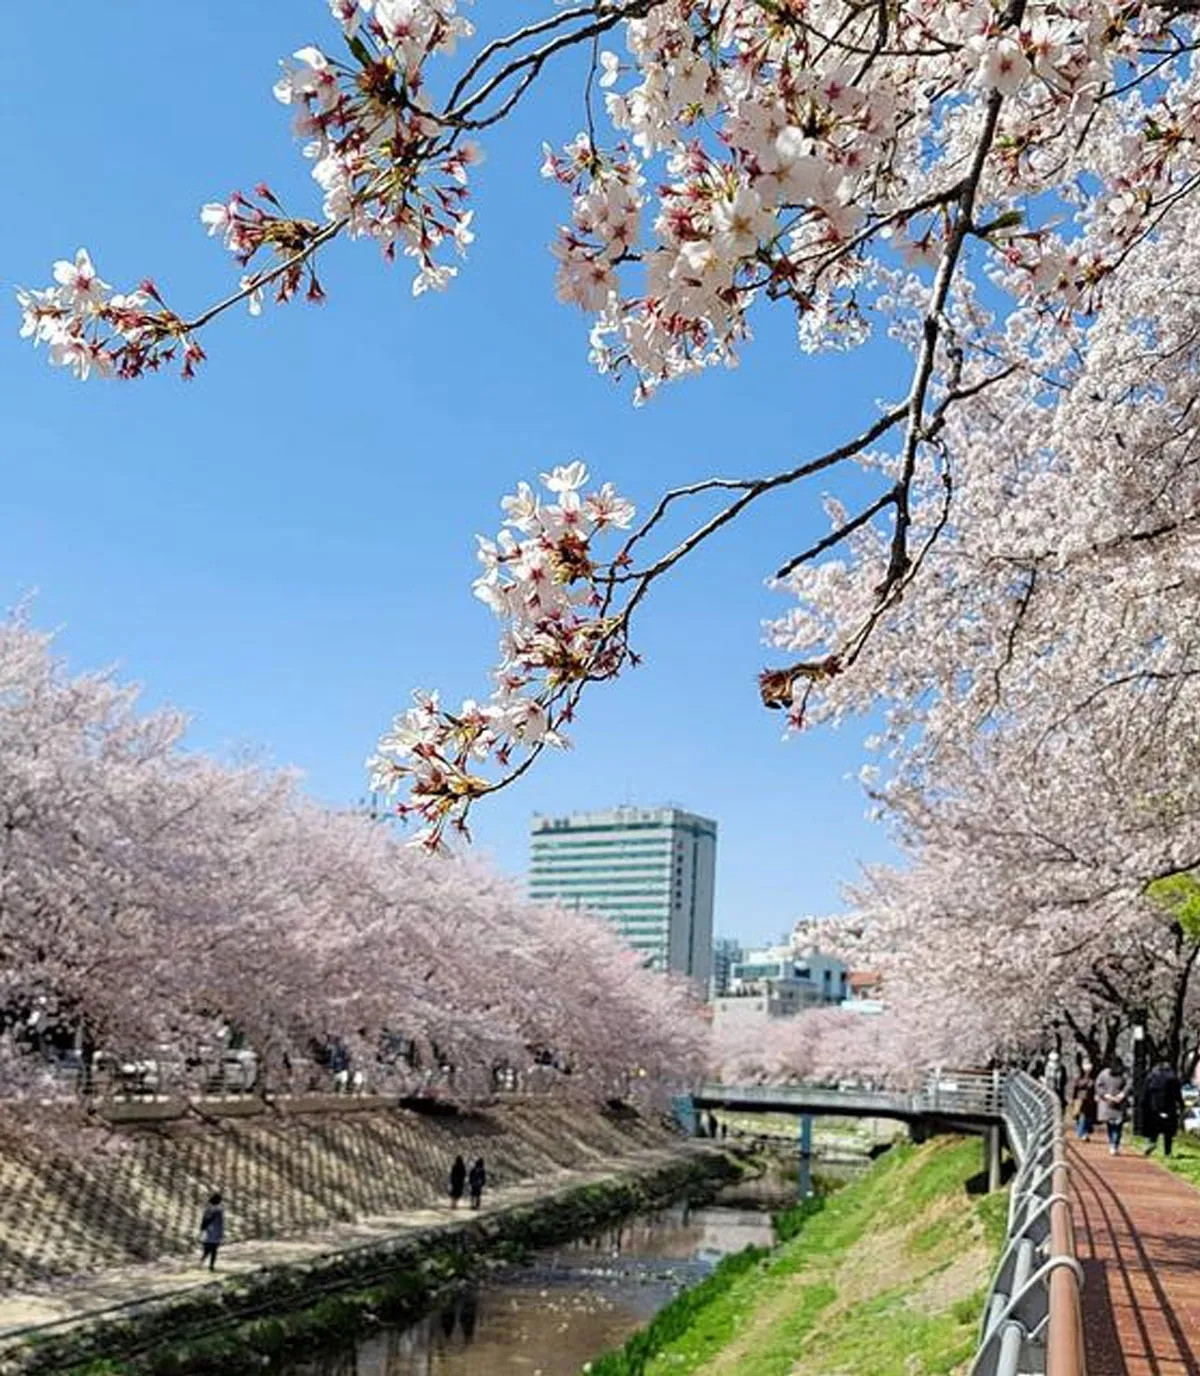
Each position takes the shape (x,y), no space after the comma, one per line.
(1139,1069)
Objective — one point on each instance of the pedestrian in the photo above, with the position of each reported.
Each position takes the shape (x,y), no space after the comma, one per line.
(478,1180)
(458,1180)
(1112,1101)
(212,1231)
(1162,1106)
(1083,1101)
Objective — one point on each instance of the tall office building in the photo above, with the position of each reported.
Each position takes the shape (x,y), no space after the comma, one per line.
(650,871)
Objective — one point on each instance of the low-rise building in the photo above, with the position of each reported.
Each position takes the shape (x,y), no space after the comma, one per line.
(863,992)
(726,954)
(779,982)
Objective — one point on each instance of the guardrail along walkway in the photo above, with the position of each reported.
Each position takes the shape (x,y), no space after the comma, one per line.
(1137,1236)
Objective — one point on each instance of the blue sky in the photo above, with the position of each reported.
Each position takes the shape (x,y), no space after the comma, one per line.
(285,546)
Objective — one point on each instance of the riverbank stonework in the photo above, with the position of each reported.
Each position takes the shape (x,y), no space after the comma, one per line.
(285,1298)
(133,1191)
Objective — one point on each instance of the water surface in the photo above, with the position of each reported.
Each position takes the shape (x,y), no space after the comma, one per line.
(569,1305)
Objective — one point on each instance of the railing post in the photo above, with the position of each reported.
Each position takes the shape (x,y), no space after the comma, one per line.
(991,1155)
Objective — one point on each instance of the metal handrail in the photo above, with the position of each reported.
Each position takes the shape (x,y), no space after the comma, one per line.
(948,1093)
(1032,1320)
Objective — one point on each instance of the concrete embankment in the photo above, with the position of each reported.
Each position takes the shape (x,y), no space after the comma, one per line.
(559,1171)
(77,1198)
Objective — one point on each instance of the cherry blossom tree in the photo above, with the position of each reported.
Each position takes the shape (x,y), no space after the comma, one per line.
(994,182)
(1004,187)
(149,895)
(823,1045)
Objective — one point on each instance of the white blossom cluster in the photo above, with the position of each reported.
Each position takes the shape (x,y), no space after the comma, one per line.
(89,328)
(386,165)
(804,145)
(542,580)
(387,169)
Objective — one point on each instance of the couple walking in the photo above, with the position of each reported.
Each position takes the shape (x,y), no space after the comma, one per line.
(1102,1098)
(475,1178)
(1106,1098)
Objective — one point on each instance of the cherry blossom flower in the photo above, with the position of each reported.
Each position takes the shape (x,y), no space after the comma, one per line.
(80,283)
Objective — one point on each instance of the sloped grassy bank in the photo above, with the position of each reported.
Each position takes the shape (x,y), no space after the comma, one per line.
(255,1322)
(884,1278)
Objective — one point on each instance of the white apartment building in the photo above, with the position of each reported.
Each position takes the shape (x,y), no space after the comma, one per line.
(779,982)
(650,871)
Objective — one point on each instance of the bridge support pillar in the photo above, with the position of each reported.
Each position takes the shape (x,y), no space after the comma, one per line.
(991,1157)
(917,1131)
(804,1175)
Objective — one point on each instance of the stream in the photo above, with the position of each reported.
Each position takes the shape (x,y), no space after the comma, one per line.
(570,1304)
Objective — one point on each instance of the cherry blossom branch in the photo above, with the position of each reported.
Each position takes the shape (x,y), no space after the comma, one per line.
(935,315)
(843,532)
(529,65)
(752,490)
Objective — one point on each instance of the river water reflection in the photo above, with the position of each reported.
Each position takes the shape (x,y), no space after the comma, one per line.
(570,1305)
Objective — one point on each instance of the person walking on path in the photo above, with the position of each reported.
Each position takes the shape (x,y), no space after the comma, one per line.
(1162,1106)
(478,1180)
(458,1181)
(1112,1101)
(1054,1077)
(212,1231)
(1083,1101)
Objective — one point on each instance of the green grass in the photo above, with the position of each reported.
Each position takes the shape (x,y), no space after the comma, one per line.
(885,1337)
(793,1305)
(700,1308)
(1185,1158)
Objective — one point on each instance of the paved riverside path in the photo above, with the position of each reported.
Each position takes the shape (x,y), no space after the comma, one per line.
(86,1299)
(1137,1236)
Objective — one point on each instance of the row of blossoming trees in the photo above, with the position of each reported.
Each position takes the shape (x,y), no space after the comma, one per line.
(149,895)
(1040,759)
(1005,187)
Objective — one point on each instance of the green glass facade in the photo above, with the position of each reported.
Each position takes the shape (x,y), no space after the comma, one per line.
(649,871)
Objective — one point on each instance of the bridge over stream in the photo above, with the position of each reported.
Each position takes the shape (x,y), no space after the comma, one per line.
(967,1102)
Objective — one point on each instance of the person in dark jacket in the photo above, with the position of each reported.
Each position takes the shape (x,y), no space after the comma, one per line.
(1162,1106)
(1083,1101)
(212,1231)
(477,1180)
(458,1181)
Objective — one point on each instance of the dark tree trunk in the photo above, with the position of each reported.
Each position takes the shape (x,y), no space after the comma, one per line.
(1174,1039)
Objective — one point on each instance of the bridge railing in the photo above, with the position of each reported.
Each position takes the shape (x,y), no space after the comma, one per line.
(1032,1321)
(950,1093)
(803,1095)
(969,1093)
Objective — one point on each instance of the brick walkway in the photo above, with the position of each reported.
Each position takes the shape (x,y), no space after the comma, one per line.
(1137,1235)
